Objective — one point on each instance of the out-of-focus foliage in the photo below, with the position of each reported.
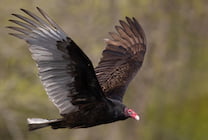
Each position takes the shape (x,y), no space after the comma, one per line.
(170,92)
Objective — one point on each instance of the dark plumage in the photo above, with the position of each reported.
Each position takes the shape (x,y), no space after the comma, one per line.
(84,96)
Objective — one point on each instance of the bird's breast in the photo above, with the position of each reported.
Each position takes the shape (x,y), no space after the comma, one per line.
(92,116)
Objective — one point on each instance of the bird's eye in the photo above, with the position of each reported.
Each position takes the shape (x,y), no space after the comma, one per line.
(129,111)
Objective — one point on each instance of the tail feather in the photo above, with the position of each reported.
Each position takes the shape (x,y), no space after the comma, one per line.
(37,123)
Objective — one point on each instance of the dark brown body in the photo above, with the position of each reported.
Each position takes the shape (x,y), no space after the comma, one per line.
(92,115)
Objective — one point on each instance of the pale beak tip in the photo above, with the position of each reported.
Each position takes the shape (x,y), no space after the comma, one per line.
(137,118)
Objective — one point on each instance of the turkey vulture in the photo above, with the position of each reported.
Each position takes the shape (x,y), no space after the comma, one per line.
(85,96)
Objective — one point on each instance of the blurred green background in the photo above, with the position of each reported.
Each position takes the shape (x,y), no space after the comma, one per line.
(170,92)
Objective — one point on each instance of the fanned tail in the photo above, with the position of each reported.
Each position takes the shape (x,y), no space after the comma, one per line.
(37,123)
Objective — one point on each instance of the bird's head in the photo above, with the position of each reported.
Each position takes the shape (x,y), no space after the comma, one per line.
(131,113)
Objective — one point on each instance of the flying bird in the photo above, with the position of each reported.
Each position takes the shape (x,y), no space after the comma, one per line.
(85,96)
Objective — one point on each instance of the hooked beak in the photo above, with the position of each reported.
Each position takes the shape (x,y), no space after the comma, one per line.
(136,117)
(133,114)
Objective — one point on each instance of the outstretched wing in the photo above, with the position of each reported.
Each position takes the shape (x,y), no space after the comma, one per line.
(121,59)
(65,71)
